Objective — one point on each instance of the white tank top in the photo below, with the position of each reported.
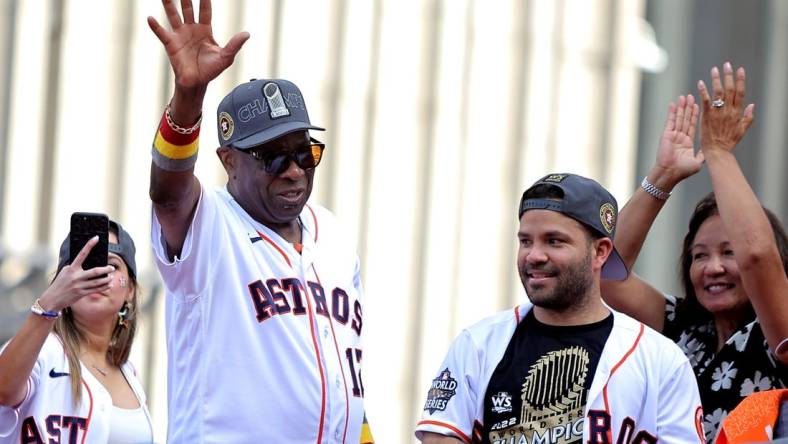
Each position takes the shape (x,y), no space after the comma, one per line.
(129,426)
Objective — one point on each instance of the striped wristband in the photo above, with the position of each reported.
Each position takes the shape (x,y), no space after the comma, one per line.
(174,147)
(39,310)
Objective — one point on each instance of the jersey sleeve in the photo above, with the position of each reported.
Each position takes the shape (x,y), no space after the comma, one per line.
(9,416)
(187,274)
(454,396)
(680,418)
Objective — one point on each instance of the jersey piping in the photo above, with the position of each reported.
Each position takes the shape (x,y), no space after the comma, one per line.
(90,411)
(273,244)
(339,358)
(613,370)
(322,375)
(448,426)
(314,217)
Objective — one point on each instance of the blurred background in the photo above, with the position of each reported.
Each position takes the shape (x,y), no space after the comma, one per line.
(439,114)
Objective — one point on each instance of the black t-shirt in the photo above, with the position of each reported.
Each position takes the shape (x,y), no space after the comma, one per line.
(539,388)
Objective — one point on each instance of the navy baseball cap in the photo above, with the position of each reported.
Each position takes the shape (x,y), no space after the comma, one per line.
(259,111)
(124,248)
(587,202)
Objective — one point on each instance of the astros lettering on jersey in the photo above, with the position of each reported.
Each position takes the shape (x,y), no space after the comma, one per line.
(48,413)
(643,390)
(264,342)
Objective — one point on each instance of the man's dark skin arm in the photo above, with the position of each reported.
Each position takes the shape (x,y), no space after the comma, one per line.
(196,59)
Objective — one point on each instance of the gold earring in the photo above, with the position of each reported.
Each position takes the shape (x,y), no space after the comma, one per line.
(122,314)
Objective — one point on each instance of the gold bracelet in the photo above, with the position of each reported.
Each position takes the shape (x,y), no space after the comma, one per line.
(179,129)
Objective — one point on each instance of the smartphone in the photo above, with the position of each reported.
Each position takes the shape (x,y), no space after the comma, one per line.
(83,227)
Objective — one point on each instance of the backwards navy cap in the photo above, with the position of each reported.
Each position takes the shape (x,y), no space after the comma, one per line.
(124,248)
(589,203)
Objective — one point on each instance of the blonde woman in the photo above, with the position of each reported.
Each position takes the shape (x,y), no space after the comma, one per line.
(65,375)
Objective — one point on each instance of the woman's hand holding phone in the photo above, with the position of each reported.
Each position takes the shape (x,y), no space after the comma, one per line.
(73,283)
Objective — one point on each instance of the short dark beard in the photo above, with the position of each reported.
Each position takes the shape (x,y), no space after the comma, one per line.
(572,290)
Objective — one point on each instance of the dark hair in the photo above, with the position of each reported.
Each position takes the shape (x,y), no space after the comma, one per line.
(546,191)
(689,309)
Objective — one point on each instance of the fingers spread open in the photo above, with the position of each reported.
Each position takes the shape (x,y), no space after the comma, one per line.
(205,12)
(728,85)
(740,87)
(693,120)
(716,83)
(172,14)
(234,45)
(681,110)
(747,118)
(188,11)
(687,124)
(704,96)
(161,33)
(670,121)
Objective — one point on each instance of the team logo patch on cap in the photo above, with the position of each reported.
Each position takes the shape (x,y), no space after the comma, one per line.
(554,178)
(276,103)
(226,125)
(607,214)
(443,388)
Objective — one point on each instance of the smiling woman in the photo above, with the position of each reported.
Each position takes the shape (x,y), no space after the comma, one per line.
(732,322)
(65,375)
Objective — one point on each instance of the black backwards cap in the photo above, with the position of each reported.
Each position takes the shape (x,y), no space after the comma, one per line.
(259,111)
(587,202)
(124,248)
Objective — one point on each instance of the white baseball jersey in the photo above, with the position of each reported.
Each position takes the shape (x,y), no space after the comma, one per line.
(643,389)
(48,415)
(263,342)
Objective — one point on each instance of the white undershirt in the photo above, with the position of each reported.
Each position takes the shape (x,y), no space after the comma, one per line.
(129,426)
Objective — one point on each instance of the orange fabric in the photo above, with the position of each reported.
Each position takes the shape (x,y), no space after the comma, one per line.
(751,419)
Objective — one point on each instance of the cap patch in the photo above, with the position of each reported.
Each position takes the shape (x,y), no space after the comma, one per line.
(607,214)
(554,178)
(276,102)
(226,125)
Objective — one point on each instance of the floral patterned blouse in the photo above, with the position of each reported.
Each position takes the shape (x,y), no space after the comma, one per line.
(744,365)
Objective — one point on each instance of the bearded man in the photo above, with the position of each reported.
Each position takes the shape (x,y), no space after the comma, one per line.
(564,367)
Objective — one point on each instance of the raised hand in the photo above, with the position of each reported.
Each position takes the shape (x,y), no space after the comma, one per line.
(723,123)
(676,152)
(194,55)
(73,283)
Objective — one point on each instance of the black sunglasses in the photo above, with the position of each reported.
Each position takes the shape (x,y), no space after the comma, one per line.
(276,163)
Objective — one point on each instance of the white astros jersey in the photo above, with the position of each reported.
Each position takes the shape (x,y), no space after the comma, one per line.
(643,390)
(48,413)
(263,342)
